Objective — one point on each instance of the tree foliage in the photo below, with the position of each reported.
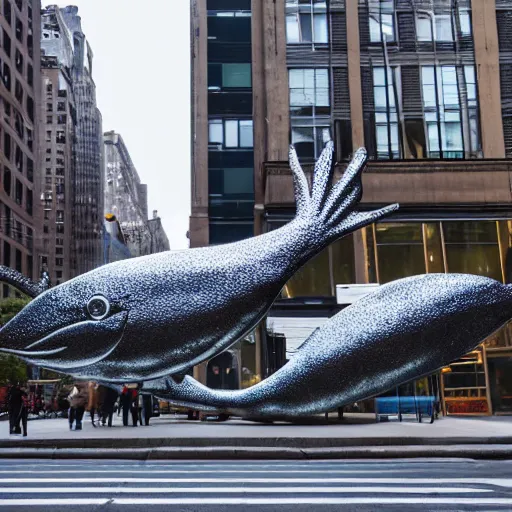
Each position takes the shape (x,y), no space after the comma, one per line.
(12,369)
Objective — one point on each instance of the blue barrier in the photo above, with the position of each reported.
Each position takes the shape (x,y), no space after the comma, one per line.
(400,405)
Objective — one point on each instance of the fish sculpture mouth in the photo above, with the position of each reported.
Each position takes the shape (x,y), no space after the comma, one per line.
(81,344)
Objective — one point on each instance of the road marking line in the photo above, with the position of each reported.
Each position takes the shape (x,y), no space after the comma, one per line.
(194,471)
(502,482)
(240,490)
(258,501)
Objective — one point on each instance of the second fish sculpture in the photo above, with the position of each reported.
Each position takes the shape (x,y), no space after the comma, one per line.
(406,329)
(140,319)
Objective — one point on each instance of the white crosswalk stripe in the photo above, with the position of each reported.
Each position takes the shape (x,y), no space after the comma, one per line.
(338,484)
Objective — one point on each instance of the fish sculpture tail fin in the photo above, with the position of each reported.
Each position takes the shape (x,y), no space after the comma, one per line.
(191,393)
(333,207)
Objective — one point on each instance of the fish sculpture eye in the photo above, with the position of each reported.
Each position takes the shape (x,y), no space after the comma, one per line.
(98,307)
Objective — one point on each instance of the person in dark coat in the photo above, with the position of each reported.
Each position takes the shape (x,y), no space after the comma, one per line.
(23,416)
(134,406)
(14,405)
(109,402)
(126,399)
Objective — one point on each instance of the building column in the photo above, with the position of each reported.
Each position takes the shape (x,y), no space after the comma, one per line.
(487,60)
(271,103)
(199,232)
(354,74)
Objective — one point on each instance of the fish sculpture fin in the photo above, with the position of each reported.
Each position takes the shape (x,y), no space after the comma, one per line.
(24,284)
(334,206)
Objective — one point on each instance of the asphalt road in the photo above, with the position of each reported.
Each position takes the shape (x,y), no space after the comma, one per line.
(413,484)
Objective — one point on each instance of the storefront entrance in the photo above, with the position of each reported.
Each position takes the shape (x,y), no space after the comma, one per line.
(500,380)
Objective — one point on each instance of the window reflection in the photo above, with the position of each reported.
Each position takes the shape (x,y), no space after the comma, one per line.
(472,248)
(433,248)
(319,277)
(399,251)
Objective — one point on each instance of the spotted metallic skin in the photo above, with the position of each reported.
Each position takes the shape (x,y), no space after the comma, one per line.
(167,312)
(406,329)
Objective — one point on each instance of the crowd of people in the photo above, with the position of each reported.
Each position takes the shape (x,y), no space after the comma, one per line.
(99,400)
(103,401)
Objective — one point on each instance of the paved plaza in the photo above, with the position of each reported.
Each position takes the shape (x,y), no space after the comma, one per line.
(352,430)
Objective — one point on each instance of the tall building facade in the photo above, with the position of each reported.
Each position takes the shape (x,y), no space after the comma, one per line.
(125,196)
(72,144)
(58,116)
(89,176)
(424,86)
(222,124)
(20,98)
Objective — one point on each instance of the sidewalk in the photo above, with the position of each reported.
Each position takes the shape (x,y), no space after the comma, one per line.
(356,436)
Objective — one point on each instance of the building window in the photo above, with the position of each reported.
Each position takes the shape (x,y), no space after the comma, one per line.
(19,30)
(19,192)
(310,110)
(231,133)
(306,21)
(309,92)
(18,91)
(30,202)
(236,75)
(386,119)
(7,146)
(7,11)
(6,43)
(471,95)
(7,181)
(19,61)
(472,248)
(59,262)
(30,75)
(229,76)
(6,76)
(465,23)
(309,141)
(382,21)
(442,112)
(440,30)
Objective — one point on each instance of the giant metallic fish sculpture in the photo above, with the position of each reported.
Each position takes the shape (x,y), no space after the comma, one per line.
(142,318)
(406,329)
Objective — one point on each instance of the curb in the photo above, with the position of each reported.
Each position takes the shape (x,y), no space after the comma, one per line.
(495,452)
(236,443)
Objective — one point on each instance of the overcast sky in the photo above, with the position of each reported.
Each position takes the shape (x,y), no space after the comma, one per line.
(142,73)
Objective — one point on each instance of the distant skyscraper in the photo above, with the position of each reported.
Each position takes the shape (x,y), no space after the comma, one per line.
(126,197)
(19,127)
(89,178)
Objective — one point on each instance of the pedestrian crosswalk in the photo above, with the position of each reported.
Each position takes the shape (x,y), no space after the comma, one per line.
(438,484)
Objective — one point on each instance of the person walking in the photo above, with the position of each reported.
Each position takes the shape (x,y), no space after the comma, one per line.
(23,416)
(14,404)
(109,402)
(146,410)
(78,399)
(125,402)
(92,406)
(134,406)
